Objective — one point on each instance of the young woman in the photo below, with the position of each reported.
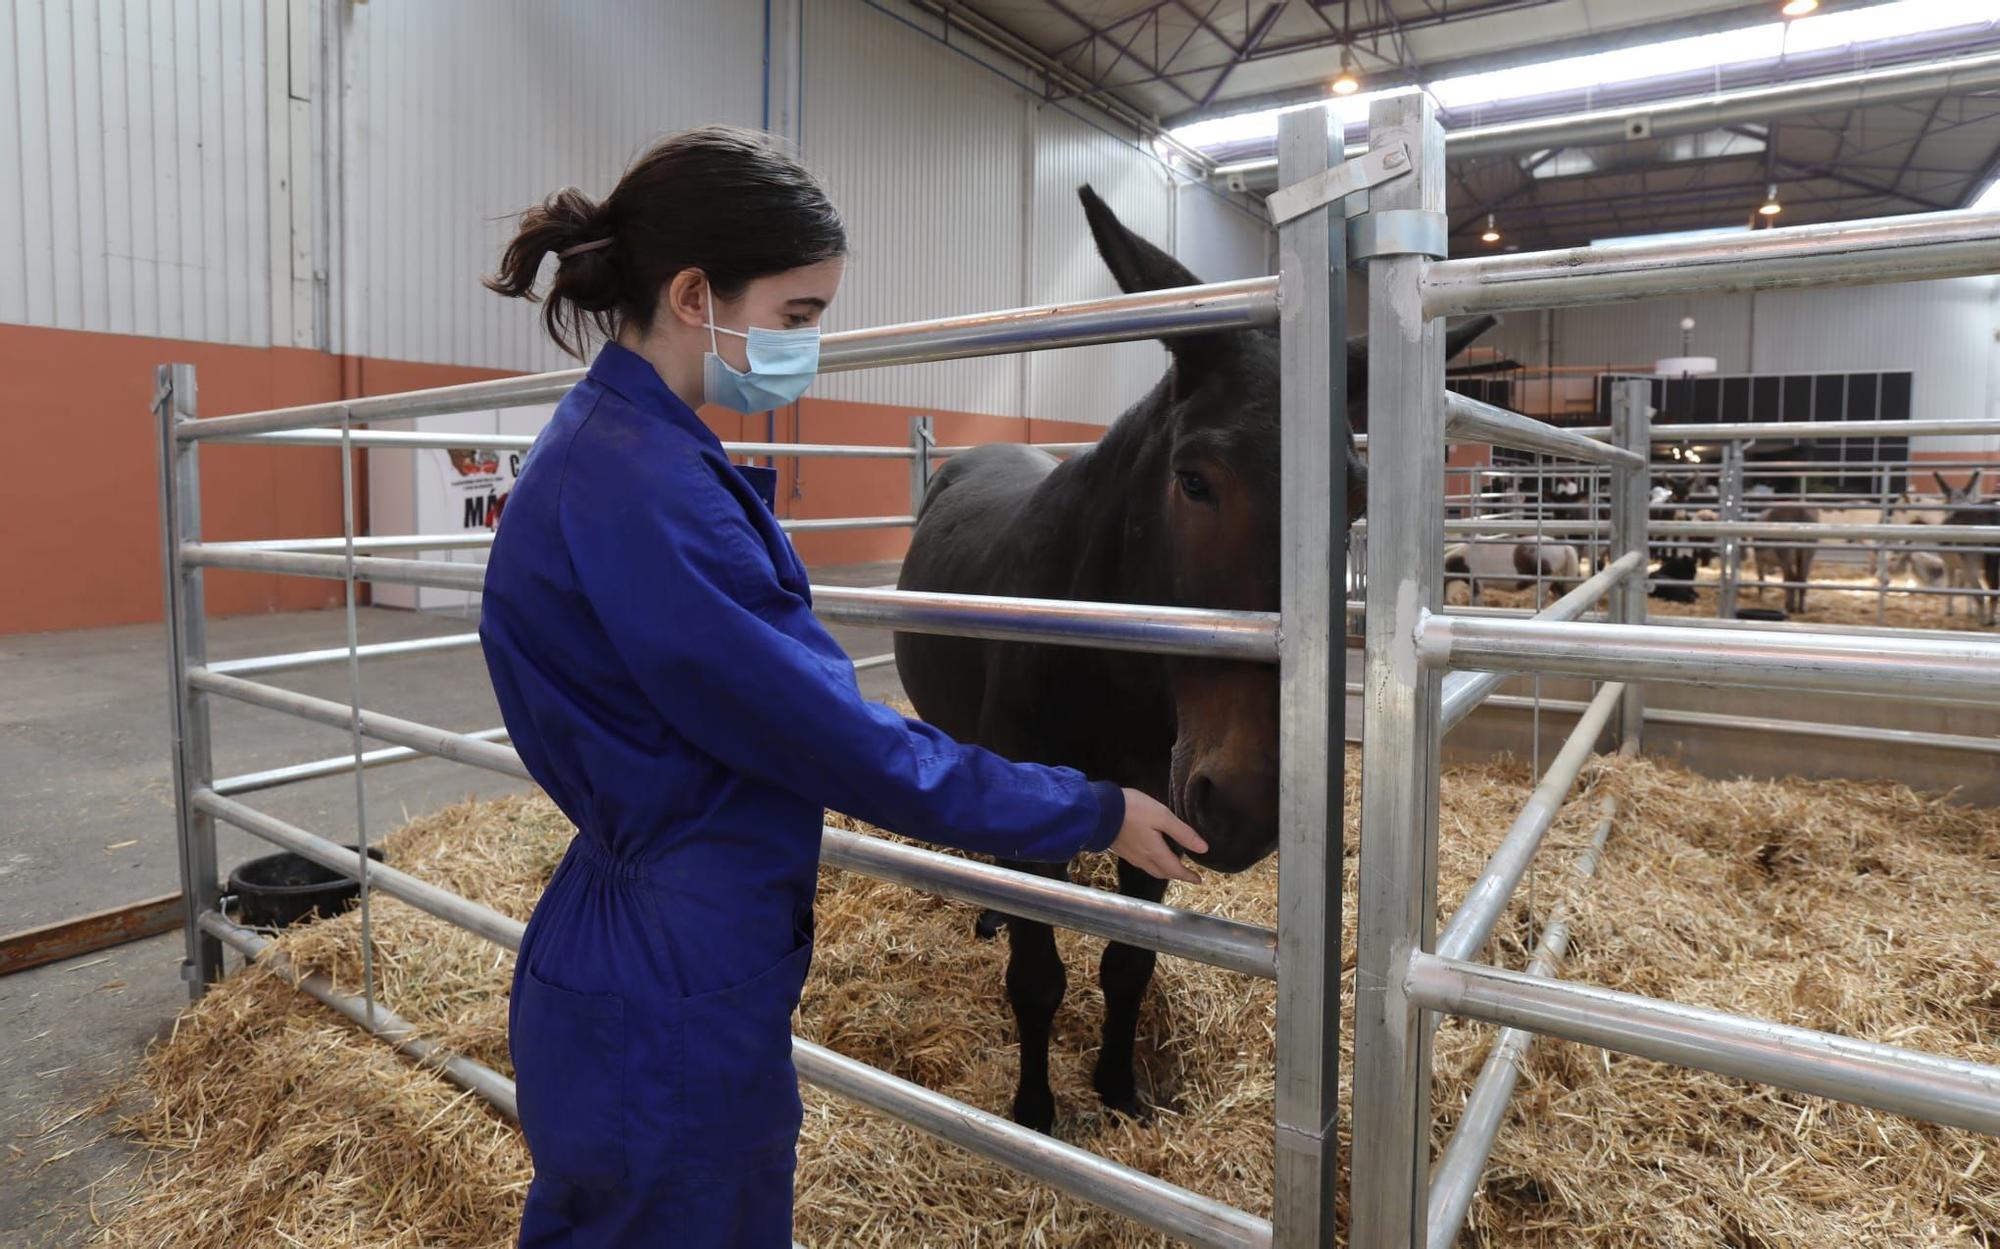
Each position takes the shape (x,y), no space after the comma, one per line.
(651,641)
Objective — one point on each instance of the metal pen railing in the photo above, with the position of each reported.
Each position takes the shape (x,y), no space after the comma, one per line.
(1407,973)
(348,558)
(1410,645)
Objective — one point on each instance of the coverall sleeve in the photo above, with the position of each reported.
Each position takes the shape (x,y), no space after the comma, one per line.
(684,588)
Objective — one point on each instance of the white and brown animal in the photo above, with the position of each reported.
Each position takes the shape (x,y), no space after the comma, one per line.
(1507,565)
(1792,564)
(1972,569)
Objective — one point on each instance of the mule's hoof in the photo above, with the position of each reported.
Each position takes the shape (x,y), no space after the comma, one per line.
(988,925)
(1036,1108)
(1121,1096)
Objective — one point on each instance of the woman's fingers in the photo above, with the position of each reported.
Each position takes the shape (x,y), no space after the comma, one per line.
(1183,833)
(1168,865)
(1147,840)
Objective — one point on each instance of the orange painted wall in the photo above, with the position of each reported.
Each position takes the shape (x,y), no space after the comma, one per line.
(81,512)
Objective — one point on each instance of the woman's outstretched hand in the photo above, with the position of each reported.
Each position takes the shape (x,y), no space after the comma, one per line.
(1143,839)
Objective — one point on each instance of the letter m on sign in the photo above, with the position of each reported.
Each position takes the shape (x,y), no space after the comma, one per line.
(475,512)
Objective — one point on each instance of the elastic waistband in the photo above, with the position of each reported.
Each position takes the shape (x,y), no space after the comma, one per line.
(594,853)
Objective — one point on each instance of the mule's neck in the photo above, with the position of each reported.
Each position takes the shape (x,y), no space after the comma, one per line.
(1103,510)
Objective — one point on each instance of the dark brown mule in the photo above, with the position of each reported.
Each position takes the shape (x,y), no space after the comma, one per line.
(1177,505)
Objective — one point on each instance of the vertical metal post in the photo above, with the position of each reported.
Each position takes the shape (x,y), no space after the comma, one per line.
(1631,512)
(187,647)
(1732,548)
(1397,896)
(1312,266)
(922,439)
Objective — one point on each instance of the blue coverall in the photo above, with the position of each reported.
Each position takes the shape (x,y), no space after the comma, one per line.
(651,641)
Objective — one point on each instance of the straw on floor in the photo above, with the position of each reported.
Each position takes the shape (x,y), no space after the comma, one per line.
(1862,908)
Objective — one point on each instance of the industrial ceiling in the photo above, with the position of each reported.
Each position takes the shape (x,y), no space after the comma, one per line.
(1906,122)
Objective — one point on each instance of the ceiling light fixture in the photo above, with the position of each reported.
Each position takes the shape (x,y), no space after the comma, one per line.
(1347,83)
(1798,8)
(1770,207)
(1492,233)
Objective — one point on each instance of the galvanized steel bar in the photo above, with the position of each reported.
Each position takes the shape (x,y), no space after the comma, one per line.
(1115,626)
(186,620)
(821,525)
(1921,669)
(338,765)
(1400,742)
(1469,420)
(1791,431)
(474,1077)
(1165,1207)
(1121,318)
(442,743)
(1053,448)
(1631,522)
(1946,1091)
(1914,248)
(484,921)
(294,660)
(441,573)
(1312,545)
(1210,939)
(1153,630)
(1148,314)
(1464,1157)
(1917,537)
(1464,691)
(1472,923)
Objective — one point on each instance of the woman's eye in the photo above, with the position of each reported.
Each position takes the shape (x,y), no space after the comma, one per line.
(1193,485)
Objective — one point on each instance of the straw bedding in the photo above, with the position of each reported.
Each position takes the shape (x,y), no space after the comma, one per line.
(1858,907)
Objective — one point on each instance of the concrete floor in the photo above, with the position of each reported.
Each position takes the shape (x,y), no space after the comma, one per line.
(86,823)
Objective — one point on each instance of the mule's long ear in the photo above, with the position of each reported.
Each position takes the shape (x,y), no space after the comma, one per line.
(1458,339)
(1139,266)
(1972,485)
(1135,263)
(1943,488)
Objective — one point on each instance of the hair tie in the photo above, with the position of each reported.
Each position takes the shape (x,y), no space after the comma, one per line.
(580,248)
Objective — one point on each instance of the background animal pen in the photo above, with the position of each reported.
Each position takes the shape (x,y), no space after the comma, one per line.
(1407,971)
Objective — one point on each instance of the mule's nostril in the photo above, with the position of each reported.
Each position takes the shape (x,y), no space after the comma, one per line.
(1200,794)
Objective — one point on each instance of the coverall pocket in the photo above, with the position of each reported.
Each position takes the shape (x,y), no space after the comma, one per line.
(741,1090)
(569,1071)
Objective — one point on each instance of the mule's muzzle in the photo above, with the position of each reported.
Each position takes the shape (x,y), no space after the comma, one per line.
(1236,819)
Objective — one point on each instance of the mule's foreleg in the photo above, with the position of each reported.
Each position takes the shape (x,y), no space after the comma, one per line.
(1124,973)
(1035,985)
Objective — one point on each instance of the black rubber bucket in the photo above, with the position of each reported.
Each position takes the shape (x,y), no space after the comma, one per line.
(280,890)
(1760,613)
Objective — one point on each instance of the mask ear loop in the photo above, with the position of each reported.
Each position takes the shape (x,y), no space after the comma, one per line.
(708,295)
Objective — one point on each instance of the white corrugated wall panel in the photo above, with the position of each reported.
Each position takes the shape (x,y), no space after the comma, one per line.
(1218,240)
(1943,332)
(132,157)
(465,112)
(1093,384)
(920,148)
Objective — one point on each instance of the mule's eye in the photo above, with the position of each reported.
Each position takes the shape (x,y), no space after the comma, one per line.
(1193,485)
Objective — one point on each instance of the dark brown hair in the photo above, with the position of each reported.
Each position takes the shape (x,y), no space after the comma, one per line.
(728,202)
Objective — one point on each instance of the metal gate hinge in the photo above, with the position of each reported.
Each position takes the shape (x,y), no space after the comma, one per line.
(1371,168)
(1397,232)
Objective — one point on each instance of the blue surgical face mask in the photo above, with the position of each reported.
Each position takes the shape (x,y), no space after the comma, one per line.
(782,364)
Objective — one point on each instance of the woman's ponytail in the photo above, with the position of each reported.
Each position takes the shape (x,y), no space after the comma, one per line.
(585,291)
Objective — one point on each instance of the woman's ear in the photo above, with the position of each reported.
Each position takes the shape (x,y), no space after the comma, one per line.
(685,298)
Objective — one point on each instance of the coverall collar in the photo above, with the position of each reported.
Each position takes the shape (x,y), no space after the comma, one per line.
(633,376)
